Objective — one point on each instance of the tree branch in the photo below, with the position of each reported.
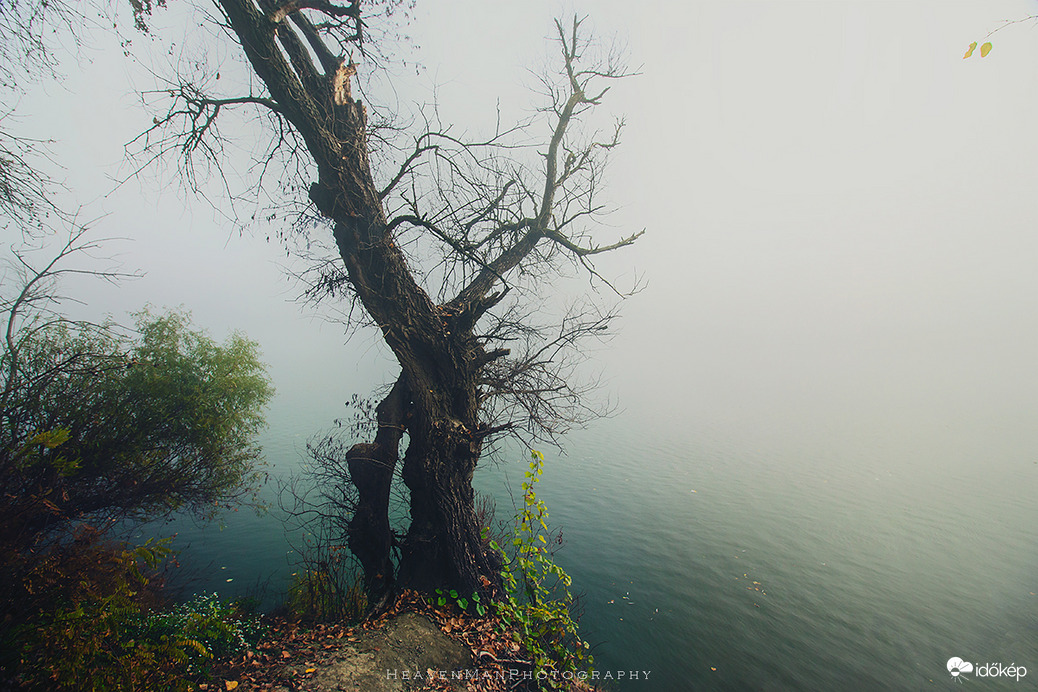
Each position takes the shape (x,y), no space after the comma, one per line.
(280,10)
(579,251)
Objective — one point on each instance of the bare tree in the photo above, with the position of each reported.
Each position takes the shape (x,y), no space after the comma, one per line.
(439,251)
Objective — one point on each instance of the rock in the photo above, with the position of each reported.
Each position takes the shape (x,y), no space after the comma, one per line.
(390,658)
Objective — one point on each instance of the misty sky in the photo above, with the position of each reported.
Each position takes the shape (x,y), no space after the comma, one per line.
(839,210)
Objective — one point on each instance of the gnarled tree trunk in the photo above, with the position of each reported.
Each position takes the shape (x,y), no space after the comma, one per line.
(444,544)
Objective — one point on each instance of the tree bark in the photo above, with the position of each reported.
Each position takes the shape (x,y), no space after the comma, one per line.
(371,469)
(445,543)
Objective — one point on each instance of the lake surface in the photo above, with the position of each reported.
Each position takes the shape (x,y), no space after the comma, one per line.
(808,553)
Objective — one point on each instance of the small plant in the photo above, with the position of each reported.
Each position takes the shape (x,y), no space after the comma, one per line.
(220,629)
(323,594)
(461,601)
(537,601)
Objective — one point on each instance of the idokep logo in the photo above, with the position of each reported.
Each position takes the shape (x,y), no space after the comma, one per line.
(956,666)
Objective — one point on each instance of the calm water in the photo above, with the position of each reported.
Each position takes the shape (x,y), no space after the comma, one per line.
(808,553)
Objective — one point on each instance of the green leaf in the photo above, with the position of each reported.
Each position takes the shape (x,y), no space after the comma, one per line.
(970,50)
(51,438)
(985,49)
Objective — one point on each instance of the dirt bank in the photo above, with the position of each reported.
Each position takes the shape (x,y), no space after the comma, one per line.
(414,646)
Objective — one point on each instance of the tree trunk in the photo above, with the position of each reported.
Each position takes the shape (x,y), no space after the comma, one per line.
(444,544)
(371,469)
(439,356)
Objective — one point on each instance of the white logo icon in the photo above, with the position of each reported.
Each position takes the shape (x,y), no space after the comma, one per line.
(956,666)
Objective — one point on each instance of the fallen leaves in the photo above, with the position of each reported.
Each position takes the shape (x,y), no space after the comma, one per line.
(289,656)
(292,657)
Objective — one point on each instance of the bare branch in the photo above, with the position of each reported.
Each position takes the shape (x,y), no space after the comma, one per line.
(329,61)
(24,190)
(405,167)
(38,295)
(594,249)
(281,10)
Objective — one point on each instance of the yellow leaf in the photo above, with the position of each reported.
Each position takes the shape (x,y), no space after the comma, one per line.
(985,49)
(230,684)
(969,52)
(311,670)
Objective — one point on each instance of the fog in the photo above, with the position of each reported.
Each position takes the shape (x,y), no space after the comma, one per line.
(839,210)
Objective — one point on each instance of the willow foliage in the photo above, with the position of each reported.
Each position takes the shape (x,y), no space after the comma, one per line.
(98,427)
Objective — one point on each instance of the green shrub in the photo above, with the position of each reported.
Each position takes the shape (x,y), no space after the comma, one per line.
(221,629)
(87,638)
(98,428)
(537,604)
(93,625)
